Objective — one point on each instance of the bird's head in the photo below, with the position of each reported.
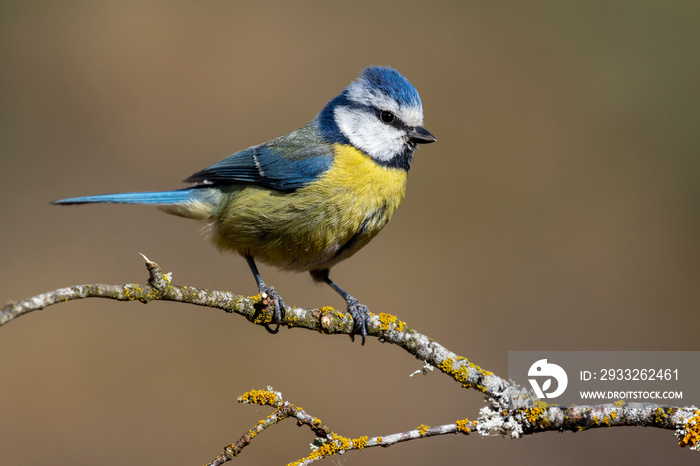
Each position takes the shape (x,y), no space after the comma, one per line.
(379,113)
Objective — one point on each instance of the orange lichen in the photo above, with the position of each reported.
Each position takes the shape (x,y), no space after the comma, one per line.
(691,432)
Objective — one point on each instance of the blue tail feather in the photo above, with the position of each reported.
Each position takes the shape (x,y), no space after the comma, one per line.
(152,198)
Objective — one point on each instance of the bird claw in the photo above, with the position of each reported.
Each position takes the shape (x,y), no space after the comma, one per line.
(360,317)
(269,295)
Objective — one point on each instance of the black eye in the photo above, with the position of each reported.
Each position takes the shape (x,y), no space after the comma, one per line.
(386,116)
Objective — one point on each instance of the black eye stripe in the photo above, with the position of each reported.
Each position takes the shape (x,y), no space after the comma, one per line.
(393,120)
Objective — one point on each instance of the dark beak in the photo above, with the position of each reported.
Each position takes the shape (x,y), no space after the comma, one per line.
(420,135)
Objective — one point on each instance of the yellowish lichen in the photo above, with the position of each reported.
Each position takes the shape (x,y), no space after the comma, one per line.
(360,443)
(336,444)
(133,292)
(262,318)
(344,443)
(463,371)
(446,366)
(422,429)
(619,403)
(260,397)
(691,431)
(387,320)
(659,416)
(463,425)
(536,413)
(291,319)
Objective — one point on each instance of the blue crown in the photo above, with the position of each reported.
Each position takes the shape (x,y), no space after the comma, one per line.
(392,83)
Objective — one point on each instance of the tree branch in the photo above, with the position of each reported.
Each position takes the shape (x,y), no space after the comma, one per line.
(327,443)
(512,411)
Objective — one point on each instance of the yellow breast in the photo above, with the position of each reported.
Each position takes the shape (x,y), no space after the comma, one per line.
(315,226)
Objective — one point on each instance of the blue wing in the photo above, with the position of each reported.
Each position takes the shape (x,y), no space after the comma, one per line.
(283,164)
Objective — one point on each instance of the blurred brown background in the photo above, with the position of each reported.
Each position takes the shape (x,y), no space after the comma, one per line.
(560,209)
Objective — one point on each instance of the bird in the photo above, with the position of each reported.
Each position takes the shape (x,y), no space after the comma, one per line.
(313,197)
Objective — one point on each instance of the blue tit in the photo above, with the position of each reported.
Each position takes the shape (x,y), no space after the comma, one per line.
(311,198)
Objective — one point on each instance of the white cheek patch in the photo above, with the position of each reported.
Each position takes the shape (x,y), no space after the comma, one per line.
(364,130)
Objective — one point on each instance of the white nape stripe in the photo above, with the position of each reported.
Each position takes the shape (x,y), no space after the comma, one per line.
(361,93)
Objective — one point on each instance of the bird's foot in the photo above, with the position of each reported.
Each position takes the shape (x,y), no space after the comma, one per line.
(269,295)
(360,317)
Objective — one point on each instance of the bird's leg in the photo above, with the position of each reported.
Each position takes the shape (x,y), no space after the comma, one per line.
(268,293)
(358,311)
